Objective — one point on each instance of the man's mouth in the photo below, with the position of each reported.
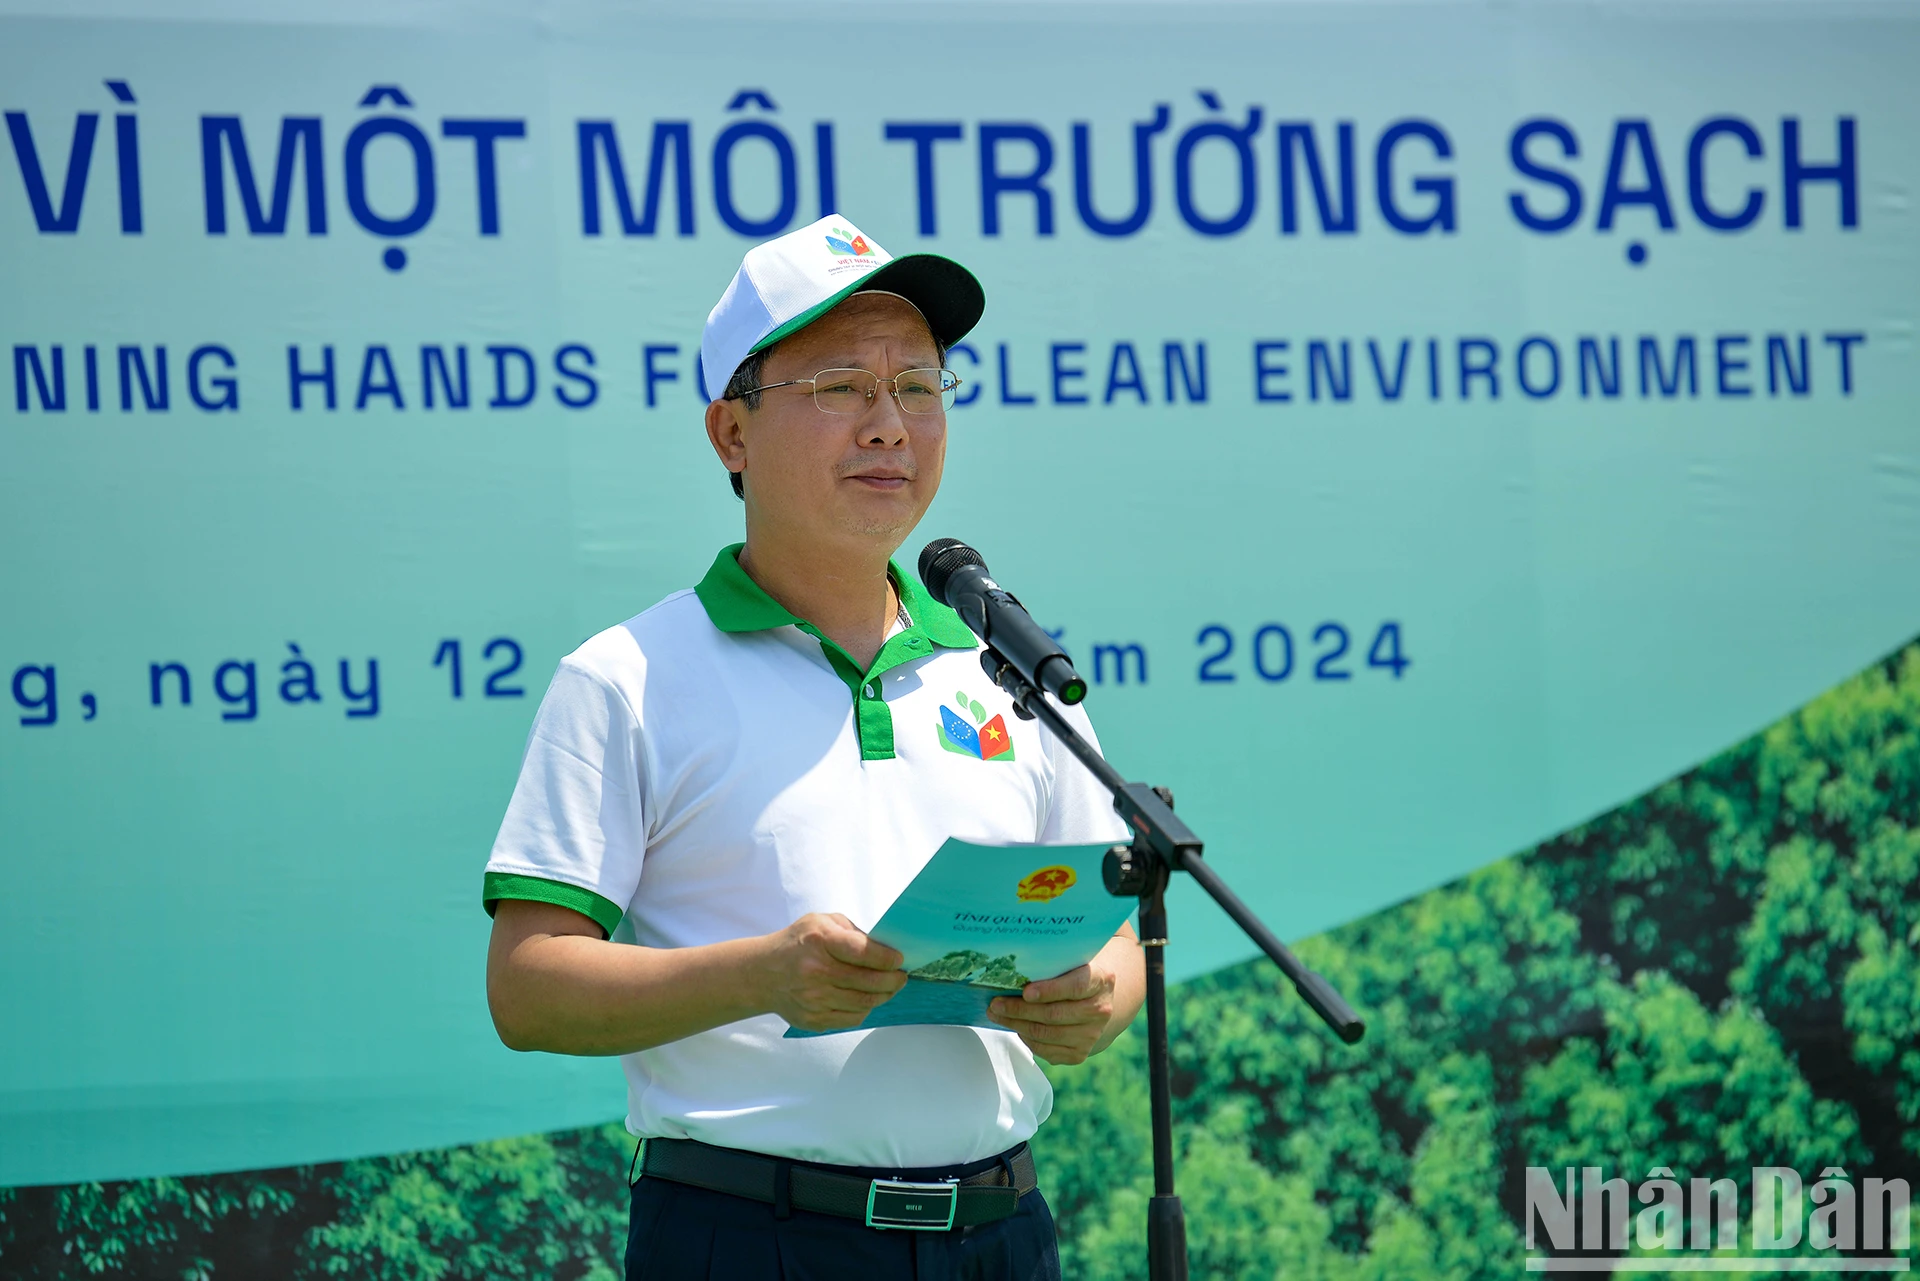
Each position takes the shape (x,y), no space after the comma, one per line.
(881,478)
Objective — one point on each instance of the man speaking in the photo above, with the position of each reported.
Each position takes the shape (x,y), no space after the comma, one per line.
(721,792)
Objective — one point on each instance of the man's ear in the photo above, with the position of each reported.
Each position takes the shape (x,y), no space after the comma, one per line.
(725,433)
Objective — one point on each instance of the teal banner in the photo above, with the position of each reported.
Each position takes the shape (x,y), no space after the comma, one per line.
(1430,427)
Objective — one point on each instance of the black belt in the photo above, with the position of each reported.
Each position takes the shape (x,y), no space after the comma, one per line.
(932,1205)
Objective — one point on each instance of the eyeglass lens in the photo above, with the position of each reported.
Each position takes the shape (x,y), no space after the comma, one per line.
(850,391)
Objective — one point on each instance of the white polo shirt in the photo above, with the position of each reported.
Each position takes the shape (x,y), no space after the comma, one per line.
(714,769)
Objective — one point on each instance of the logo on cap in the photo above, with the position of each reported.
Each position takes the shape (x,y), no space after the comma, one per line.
(848,244)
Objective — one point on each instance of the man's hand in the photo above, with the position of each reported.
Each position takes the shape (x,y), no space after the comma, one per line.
(821,973)
(1064,1019)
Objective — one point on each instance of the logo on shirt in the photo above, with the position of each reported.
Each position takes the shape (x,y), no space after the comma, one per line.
(988,742)
(1047,883)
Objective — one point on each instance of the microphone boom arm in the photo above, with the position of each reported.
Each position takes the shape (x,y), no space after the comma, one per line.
(1163,844)
(1173,843)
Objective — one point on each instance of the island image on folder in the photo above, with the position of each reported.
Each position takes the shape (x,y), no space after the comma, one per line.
(981,921)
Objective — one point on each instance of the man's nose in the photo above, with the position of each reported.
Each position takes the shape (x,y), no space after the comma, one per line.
(884,424)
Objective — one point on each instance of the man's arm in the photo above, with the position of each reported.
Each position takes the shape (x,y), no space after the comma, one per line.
(1075,1016)
(555,983)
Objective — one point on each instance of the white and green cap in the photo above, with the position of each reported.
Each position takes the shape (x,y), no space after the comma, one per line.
(789,282)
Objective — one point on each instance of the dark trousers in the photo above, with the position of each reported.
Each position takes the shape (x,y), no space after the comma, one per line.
(683,1233)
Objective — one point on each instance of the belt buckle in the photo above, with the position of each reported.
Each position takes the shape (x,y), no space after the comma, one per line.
(919,1207)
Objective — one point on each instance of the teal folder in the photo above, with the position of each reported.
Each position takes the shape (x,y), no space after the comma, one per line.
(981,921)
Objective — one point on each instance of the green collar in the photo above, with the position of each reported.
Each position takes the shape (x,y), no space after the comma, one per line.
(735,603)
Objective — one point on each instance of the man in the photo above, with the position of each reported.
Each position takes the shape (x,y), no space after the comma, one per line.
(719,793)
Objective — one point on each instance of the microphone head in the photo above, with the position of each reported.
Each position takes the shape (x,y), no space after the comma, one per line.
(938,561)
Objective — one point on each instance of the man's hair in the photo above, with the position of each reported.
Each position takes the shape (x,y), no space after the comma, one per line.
(748,375)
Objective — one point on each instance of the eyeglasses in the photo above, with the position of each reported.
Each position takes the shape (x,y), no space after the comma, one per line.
(852,391)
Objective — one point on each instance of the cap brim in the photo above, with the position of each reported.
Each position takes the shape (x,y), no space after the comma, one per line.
(945,292)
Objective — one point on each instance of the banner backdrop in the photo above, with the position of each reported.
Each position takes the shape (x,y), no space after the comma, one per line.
(1429,426)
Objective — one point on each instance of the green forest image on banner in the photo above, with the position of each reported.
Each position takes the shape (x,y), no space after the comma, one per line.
(1716,977)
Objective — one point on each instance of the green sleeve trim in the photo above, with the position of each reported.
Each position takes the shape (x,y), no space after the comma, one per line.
(601,911)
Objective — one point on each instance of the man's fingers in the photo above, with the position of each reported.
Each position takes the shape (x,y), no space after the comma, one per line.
(845,1005)
(1061,1055)
(850,1001)
(1054,1049)
(841,974)
(855,948)
(1048,1043)
(1049,1013)
(834,975)
(1074,985)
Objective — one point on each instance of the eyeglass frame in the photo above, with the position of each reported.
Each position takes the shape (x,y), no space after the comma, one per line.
(893,387)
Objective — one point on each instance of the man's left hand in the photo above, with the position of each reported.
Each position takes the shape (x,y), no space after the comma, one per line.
(1062,1019)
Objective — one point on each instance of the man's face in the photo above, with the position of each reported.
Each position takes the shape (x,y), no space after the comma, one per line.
(820,477)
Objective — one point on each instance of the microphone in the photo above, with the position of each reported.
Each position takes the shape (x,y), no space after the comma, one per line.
(957,577)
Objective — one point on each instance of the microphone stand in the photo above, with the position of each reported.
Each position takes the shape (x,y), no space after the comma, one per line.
(1162,845)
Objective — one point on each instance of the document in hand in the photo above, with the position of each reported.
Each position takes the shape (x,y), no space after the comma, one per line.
(981,921)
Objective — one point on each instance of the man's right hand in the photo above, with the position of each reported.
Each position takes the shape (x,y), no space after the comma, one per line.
(821,973)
